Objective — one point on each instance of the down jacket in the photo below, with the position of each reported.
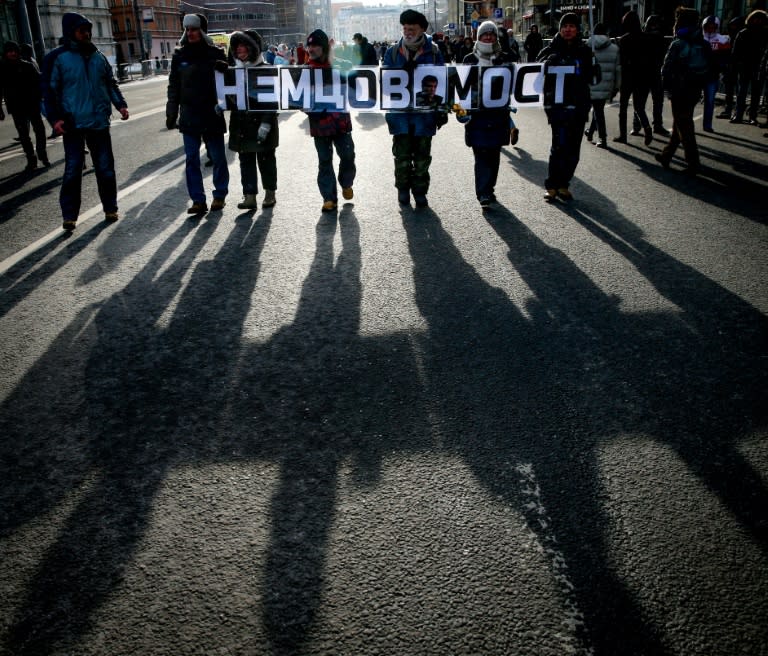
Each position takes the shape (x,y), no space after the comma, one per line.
(609,58)
(424,124)
(79,86)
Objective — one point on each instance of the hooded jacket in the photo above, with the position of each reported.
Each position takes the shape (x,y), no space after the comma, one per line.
(608,57)
(676,72)
(79,86)
(244,125)
(750,43)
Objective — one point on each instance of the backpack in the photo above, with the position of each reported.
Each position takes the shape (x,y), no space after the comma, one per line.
(695,58)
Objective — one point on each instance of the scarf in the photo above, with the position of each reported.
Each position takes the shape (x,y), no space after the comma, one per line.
(486,51)
(415,45)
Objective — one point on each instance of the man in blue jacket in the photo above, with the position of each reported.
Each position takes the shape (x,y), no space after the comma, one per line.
(79,90)
(412,132)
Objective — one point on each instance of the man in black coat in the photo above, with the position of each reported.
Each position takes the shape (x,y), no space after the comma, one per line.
(366,52)
(20,85)
(191,106)
(567,113)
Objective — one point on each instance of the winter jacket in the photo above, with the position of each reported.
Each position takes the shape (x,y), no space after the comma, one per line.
(487,128)
(655,50)
(367,54)
(192,88)
(20,84)
(749,46)
(244,125)
(720,44)
(608,57)
(676,71)
(420,123)
(324,123)
(576,101)
(533,45)
(637,58)
(78,84)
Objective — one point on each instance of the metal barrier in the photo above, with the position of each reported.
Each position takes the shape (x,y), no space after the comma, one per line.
(129,71)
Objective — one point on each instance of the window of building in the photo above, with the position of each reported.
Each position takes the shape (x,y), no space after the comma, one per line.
(128,25)
(99,29)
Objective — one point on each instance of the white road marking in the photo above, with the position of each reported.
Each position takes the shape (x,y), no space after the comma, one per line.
(14,259)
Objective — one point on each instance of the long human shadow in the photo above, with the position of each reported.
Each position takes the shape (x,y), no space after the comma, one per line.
(695,382)
(516,390)
(712,376)
(149,394)
(18,282)
(12,205)
(323,395)
(732,192)
(151,398)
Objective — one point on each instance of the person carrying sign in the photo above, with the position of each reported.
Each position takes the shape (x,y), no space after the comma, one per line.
(412,132)
(486,130)
(567,113)
(330,129)
(253,135)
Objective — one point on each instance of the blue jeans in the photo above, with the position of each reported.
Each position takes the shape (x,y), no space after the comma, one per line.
(710,89)
(215,145)
(326,179)
(99,143)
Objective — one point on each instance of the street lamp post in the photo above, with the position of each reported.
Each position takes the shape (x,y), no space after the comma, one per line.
(139,35)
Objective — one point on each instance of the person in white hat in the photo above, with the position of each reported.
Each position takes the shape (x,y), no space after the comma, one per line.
(191,107)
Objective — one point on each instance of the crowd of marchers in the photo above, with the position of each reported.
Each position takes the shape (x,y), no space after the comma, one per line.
(77,90)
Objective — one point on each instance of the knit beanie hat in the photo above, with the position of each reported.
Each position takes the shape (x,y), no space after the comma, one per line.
(570,19)
(11,46)
(487,26)
(319,38)
(413,17)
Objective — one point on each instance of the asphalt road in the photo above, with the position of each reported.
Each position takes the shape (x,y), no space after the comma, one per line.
(538,430)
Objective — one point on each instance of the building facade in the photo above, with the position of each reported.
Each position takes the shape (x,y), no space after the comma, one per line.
(145,29)
(380,23)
